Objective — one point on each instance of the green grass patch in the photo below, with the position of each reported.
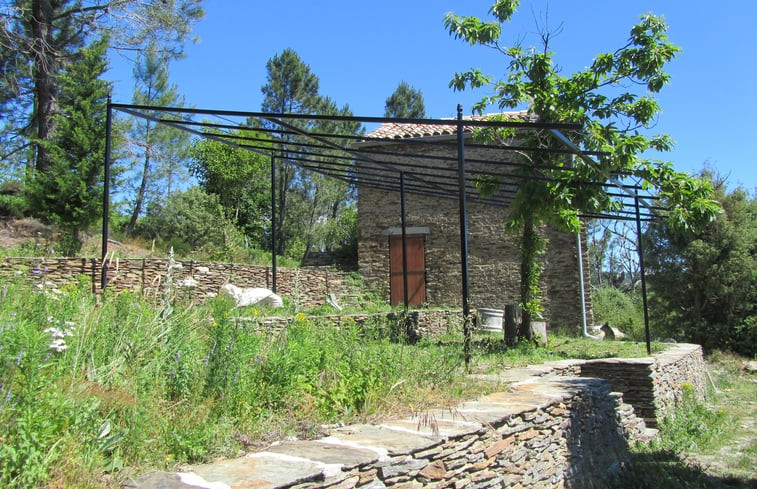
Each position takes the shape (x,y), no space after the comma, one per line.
(94,386)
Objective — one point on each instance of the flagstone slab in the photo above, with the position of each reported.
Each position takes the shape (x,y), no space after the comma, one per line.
(328,453)
(428,424)
(394,442)
(261,471)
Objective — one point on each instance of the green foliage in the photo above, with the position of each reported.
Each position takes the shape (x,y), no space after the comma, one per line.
(99,387)
(531,247)
(69,192)
(240,179)
(328,211)
(703,445)
(156,151)
(309,205)
(405,102)
(190,220)
(622,310)
(704,282)
(40,38)
(694,426)
(12,201)
(611,116)
(491,353)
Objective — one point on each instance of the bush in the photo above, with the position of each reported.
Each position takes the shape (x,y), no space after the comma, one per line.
(188,221)
(622,310)
(12,200)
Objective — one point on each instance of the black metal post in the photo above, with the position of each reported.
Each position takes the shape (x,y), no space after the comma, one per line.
(106,195)
(463,236)
(273,223)
(404,239)
(643,276)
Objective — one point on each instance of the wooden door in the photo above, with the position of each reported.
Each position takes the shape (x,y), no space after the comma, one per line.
(416,270)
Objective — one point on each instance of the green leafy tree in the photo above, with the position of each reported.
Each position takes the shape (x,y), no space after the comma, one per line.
(406,102)
(69,192)
(188,221)
(160,148)
(240,179)
(328,218)
(39,39)
(613,118)
(704,282)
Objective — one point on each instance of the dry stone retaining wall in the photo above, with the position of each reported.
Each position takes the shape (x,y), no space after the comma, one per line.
(307,286)
(653,385)
(547,429)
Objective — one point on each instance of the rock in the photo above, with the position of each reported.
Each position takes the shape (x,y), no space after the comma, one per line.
(751,367)
(612,333)
(188,282)
(539,330)
(248,296)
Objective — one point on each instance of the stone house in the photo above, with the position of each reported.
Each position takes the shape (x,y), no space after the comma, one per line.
(433,230)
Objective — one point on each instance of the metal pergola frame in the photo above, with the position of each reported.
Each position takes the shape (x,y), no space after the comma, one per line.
(365,161)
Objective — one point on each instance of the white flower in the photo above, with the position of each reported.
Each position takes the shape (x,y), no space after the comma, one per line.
(55,333)
(58,345)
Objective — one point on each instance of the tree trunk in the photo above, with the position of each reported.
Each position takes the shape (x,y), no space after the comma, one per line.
(142,186)
(44,77)
(284,180)
(528,272)
(334,214)
(311,224)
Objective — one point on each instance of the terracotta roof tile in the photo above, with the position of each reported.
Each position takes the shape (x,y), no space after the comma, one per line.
(399,130)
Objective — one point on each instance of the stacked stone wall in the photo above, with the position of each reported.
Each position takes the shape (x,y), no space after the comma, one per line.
(653,385)
(308,286)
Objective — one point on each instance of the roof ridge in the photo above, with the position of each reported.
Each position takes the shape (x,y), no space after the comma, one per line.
(407,130)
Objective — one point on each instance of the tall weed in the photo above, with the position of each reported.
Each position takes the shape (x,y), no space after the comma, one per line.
(92,386)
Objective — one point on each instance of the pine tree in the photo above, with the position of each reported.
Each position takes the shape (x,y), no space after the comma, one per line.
(155,144)
(406,102)
(69,192)
(291,88)
(39,39)
(704,282)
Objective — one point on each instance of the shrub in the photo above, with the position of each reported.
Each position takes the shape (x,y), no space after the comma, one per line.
(189,220)
(12,200)
(622,310)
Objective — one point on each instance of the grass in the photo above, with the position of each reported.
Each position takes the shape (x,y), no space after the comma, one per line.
(490,352)
(92,390)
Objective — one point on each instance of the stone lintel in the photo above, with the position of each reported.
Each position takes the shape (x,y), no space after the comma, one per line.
(410,231)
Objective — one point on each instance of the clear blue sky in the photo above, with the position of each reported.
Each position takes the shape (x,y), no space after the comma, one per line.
(361,50)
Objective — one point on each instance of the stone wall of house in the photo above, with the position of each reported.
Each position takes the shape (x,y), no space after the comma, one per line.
(494,259)
(548,429)
(308,286)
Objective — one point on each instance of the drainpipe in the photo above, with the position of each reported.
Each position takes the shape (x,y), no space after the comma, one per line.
(583,290)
